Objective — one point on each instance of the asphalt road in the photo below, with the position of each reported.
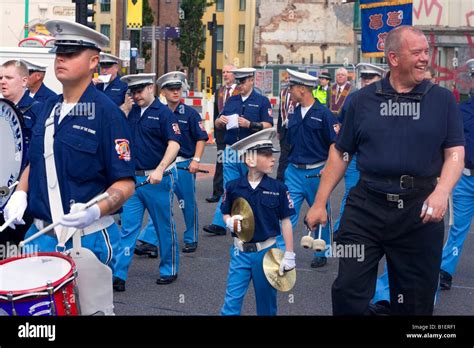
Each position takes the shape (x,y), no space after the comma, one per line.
(200,287)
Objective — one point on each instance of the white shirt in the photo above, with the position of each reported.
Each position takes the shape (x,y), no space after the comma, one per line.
(304,110)
(231,90)
(143,110)
(245,98)
(65,109)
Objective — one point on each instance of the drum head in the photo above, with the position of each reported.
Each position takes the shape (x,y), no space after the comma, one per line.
(24,274)
(11,144)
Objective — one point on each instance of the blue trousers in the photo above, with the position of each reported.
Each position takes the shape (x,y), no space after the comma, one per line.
(233,169)
(302,188)
(463,210)
(243,268)
(185,191)
(104,244)
(158,200)
(351,177)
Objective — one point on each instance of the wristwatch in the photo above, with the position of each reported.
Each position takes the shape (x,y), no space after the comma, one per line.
(197,159)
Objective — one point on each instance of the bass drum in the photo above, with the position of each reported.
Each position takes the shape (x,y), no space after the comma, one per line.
(12,145)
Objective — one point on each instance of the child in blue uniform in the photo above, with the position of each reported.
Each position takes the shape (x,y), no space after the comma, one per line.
(271,203)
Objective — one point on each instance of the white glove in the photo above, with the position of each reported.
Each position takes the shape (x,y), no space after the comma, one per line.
(16,207)
(230,222)
(79,218)
(288,262)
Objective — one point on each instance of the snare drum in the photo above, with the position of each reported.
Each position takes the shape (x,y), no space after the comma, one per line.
(38,285)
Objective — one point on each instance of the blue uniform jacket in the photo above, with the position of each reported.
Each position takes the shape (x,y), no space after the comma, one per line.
(270,202)
(116,90)
(311,137)
(91,151)
(151,133)
(467,112)
(394,134)
(192,129)
(256,108)
(43,94)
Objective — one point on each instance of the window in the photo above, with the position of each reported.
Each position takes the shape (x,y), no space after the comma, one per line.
(105,29)
(220,38)
(242,5)
(241,38)
(220,5)
(203,79)
(104,5)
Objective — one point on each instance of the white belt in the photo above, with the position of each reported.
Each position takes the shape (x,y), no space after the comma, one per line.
(150,171)
(96,226)
(309,166)
(181,159)
(468,172)
(260,246)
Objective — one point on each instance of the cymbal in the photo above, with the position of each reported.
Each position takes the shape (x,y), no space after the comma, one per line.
(241,207)
(271,267)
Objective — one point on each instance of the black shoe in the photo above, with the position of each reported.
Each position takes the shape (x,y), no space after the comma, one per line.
(190,247)
(445,280)
(119,284)
(166,280)
(214,229)
(213,199)
(319,261)
(146,249)
(379,308)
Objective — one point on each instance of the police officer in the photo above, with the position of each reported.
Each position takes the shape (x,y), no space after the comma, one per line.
(36,87)
(79,149)
(155,141)
(463,200)
(323,91)
(13,80)
(115,89)
(398,205)
(369,73)
(243,115)
(271,204)
(193,141)
(310,133)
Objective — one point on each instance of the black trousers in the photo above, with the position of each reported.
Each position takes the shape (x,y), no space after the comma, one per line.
(218,180)
(283,160)
(413,251)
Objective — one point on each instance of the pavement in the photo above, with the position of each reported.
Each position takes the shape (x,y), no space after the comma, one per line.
(200,287)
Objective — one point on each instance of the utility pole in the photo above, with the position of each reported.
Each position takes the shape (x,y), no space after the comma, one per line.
(27,17)
(166,48)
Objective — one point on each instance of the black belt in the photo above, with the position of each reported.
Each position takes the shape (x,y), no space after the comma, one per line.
(405,182)
(395,197)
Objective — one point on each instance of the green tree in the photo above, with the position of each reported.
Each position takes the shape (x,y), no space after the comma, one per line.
(190,42)
(147,19)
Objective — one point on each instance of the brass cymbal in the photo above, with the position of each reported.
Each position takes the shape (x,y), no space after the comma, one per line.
(271,268)
(241,207)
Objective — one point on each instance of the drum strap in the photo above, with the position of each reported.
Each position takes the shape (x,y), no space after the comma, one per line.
(54,193)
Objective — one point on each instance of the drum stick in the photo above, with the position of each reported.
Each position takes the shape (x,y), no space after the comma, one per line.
(7,223)
(89,204)
(199,170)
(147,181)
(6,190)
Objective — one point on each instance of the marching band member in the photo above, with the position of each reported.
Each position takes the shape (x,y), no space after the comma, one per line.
(271,203)
(243,115)
(79,148)
(311,131)
(115,88)
(36,87)
(156,139)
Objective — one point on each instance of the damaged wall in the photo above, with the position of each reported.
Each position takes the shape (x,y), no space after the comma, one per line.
(298,31)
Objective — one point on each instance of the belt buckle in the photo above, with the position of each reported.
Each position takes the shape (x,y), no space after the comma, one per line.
(393,197)
(408,180)
(249,247)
